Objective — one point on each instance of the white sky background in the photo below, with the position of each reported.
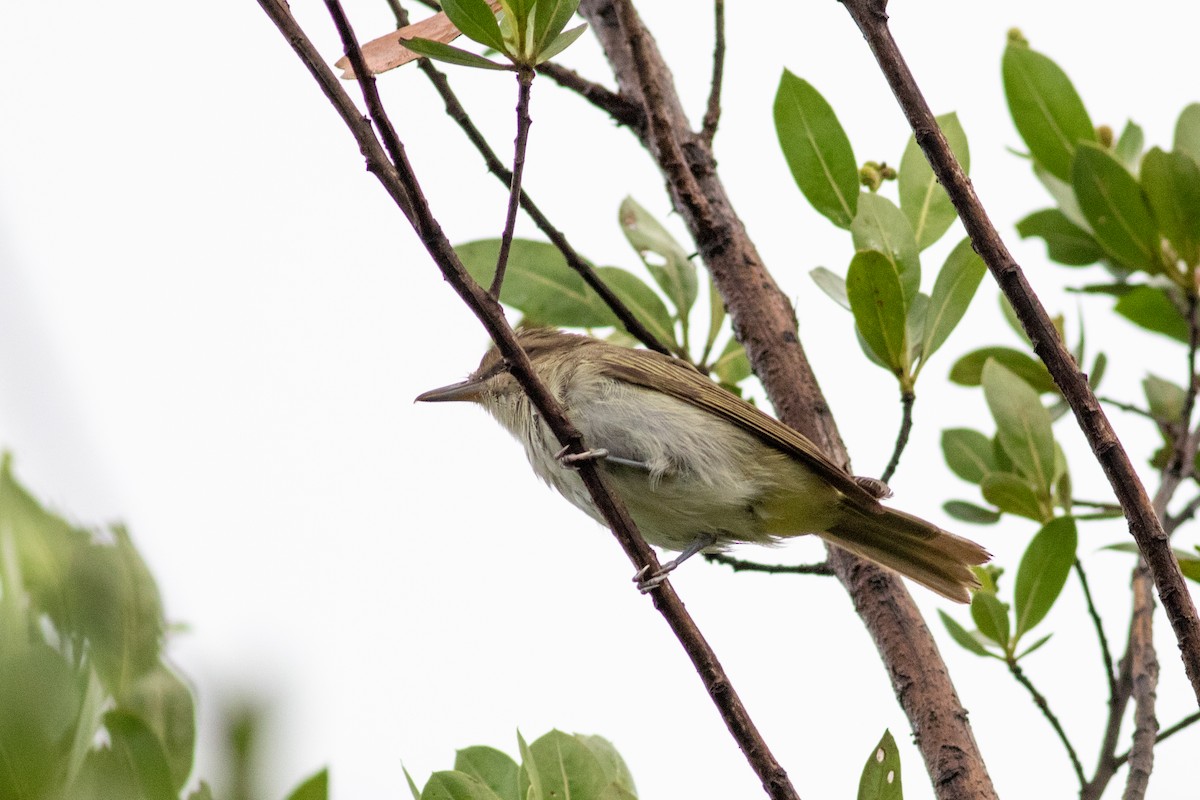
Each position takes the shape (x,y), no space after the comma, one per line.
(214,323)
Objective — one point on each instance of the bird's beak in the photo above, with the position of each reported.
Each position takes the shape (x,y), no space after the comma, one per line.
(469,390)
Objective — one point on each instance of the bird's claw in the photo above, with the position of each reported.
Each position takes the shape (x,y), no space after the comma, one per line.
(571,459)
(648,583)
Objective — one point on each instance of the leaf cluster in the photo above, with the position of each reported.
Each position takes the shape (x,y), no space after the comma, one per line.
(526,32)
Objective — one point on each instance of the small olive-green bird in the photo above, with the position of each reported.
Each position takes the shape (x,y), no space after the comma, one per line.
(698,468)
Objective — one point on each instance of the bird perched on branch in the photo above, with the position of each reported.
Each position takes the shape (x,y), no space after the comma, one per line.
(699,468)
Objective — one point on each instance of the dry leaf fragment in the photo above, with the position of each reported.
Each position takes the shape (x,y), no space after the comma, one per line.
(388,51)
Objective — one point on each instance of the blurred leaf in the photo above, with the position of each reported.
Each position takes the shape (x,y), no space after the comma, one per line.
(879,306)
(968,453)
(538,283)
(969,512)
(1189,565)
(880,778)
(882,227)
(952,292)
(1128,149)
(922,198)
(493,768)
(40,700)
(716,316)
(204,792)
(1022,423)
(1115,209)
(642,301)
(968,370)
(315,787)
(1045,108)
(1187,132)
(964,638)
(831,284)
(816,149)
(672,269)
(476,20)
(450,54)
(1066,242)
(1171,182)
(733,366)
(1064,196)
(136,746)
(1043,572)
(120,611)
(991,617)
(1165,398)
(1149,307)
(164,703)
(1012,494)
(1099,367)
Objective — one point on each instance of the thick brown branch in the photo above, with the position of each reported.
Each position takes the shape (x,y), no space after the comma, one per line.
(491,315)
(1144,525)
(765,323)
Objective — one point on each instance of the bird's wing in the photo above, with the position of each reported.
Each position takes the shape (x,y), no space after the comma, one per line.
(663,373)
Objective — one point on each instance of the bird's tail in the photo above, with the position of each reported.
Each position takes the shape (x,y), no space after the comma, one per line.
(911,546)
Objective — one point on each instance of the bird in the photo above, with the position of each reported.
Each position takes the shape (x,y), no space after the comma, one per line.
(699,468)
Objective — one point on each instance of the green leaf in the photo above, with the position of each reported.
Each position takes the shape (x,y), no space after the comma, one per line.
(1022,423)
(1066,242)
(1043,572)
(1012,494)
(817,150)
(922,198)
(40,700)
(641,300)
(1189,565)
(165,704)
(204,792)
(476,21)
(670,266)
(560,43)
(451,785)
(733,365)
(538,283)
(716,317)
(567,768)
(953,291)
(1171,182)
(616,771)
(991,617)
(963,511)
(412,785)
(882,227)
(1187,132)
(1034,646)
(493,768)
(1128,149)
(315,787)
(550,17)
(914,325)
(1045,108)
(449,54)
(961,635)
(831,284)
(968,454)
(1064,196)
(1115,209)
(1165,398)
(880,778)
(132,741)
(1151,308)
(879,306)
(968,370)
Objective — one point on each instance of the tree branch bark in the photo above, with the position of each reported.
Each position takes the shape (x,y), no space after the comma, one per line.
(765,323)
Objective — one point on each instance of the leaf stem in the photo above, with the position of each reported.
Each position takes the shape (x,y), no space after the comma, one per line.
(1040,701)
(906,420)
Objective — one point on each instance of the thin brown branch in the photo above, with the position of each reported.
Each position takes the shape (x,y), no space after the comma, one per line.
(1144,675)
(1105,653)
(1044,706)
(524,87)
(1166,733)
(712,112)
(491,315)
(619,108)
(738,565)
(1131,408)
(455,110)
(1145,527)
(906,421)
(765,323)
(1173,522)
(1107,765)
